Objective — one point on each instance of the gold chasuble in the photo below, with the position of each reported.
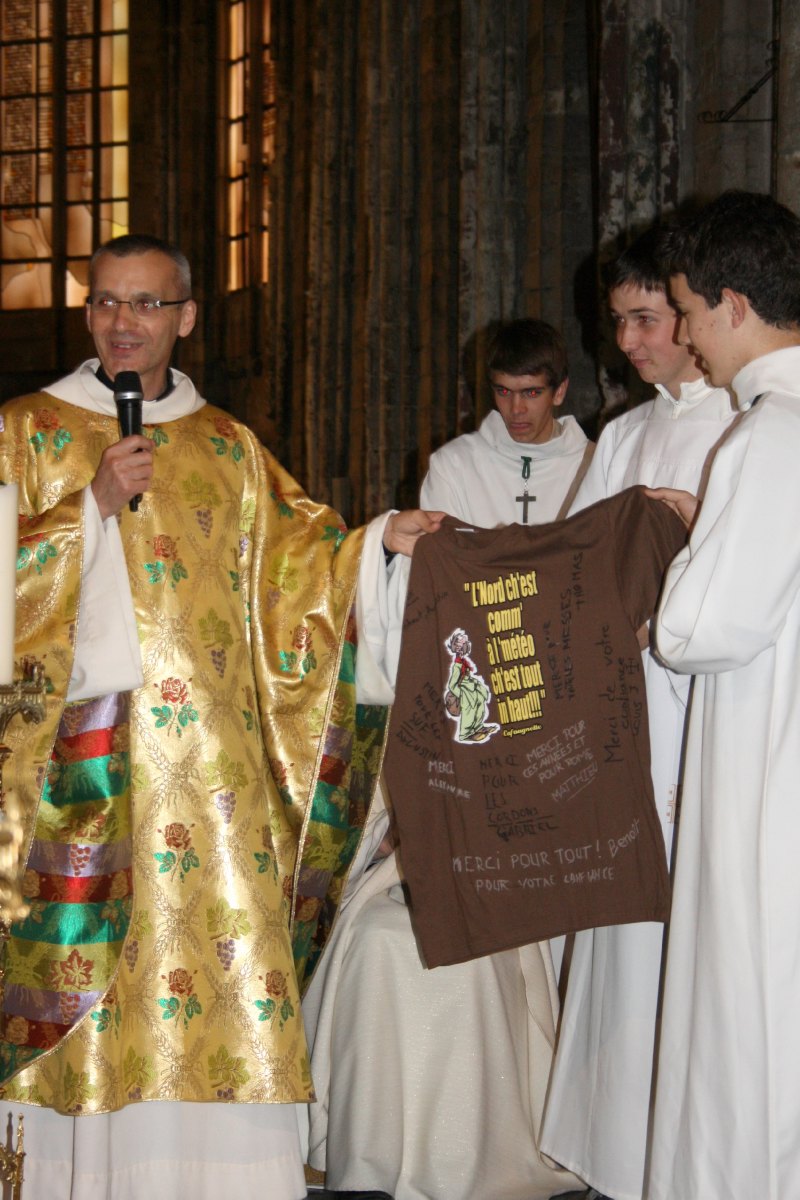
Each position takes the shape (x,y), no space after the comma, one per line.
(181,834)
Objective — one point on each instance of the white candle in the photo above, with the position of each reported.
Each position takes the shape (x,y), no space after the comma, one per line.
(9,540)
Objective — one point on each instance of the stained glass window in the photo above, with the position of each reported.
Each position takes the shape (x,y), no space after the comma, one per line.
(250,142)
(63,144)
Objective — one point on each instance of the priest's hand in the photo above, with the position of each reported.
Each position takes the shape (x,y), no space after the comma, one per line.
(682,503)
(403,529)
(125,471)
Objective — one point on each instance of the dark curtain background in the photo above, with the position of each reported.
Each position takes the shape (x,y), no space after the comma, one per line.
(434,177)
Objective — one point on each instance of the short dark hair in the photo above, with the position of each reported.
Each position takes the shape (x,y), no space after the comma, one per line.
(142,243)
(528,347)
(640,264)
(745,241)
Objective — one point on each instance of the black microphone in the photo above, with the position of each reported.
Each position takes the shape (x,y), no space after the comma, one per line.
(128,395)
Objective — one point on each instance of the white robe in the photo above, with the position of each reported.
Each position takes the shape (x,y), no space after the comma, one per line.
(598,1108)
(727,1114)
(478,476)
(431,1084)
(160,1150)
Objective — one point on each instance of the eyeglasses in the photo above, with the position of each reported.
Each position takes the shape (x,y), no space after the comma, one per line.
(142,306)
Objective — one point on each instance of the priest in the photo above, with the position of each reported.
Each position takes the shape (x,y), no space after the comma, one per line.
(195,793)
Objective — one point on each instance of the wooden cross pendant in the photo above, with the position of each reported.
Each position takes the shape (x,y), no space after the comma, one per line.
(525,499)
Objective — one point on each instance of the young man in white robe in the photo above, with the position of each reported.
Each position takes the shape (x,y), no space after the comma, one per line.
(727,1111)
(524,459)
(597,1114)
(440,1093)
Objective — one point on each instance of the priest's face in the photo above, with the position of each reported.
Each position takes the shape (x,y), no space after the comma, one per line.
(126,341)
(526,404)
(708,331)
(646,327)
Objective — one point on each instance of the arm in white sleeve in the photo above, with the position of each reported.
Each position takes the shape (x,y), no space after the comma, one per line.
(381,598)
(107,655)
(727,593)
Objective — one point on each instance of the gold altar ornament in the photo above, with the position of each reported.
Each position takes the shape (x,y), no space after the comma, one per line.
(25,696)
(12,1160)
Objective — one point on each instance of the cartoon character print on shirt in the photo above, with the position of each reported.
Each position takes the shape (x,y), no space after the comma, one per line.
(466,696)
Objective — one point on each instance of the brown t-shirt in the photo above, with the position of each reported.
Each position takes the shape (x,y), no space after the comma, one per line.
(518,760)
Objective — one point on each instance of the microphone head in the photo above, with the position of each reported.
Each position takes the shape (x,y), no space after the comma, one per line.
(128,386)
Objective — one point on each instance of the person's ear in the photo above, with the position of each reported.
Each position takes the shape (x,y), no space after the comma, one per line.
(560,393)
(188,318)
(736,304)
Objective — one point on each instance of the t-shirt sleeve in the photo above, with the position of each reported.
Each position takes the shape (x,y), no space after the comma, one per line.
(439,491)
(646,536)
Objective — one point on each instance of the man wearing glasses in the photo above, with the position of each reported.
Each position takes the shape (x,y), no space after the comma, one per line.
(197,786)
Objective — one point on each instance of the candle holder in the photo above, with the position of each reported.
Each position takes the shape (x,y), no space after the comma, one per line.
(25,696)
(11,1160)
